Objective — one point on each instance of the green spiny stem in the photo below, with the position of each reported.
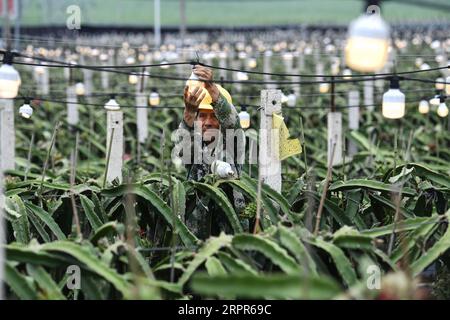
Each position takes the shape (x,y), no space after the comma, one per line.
(49,150)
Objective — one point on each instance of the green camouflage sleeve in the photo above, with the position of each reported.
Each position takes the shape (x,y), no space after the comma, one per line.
(226,114)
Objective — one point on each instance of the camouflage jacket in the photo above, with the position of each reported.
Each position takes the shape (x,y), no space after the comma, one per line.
(204,218)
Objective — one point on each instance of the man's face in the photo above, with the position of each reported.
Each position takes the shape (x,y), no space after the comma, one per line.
(209,122)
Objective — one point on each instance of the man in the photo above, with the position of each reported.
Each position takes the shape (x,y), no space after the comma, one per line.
(209,109)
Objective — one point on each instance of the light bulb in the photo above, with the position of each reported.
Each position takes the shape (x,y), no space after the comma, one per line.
(130,60)
(242,76)
(268,53)
(133,79)
(291,99)
(194,82)
(251,63)
(244,118)
(287,56)
(347,73)
(439,58)
(154,99)
(393,102)
(442,110)
(419,62)
(26,110)
(439,84)
(112,105)
(242,55)
(424,107)
(324,87)
(367,44)
(435,100)
(9,81)
(79,89)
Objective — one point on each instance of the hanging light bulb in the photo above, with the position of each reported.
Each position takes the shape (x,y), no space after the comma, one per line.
(244,118)
(442,110)
(242,55)
(26,110)
(79,89)
(130,60)
(154,99)
(424,106)
(291,99)
(425,66)
(367,44)
(347,73)
(440,85)
(251,63)
(393,101)
(324,87)
(418,62)
(194,82)
(436,100)
(133,79)
(288,56)
(112,105)
(242,76)
(9,78)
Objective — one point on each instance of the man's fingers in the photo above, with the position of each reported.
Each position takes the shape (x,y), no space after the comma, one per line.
(199,93)
(200,74)
(186,92)
(195,91)
(200,99)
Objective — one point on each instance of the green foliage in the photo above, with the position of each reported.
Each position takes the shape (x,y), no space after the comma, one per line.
(135,242)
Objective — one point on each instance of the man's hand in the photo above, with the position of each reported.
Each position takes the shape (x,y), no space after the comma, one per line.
(205,73)
(191,102)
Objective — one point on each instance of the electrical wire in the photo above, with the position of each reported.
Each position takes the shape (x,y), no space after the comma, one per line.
(28,98)
(325,75)
(108,69)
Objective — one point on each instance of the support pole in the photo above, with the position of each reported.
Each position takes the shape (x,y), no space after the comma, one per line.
(334,138)
(7,134)
(353,119)
(115,132)
(157,21)
(88,84)
(142,117)
(72,106)
(17,23)
(334,130)
(141,110)
(269,161)
(182,20)
(267,67)
(236,64)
